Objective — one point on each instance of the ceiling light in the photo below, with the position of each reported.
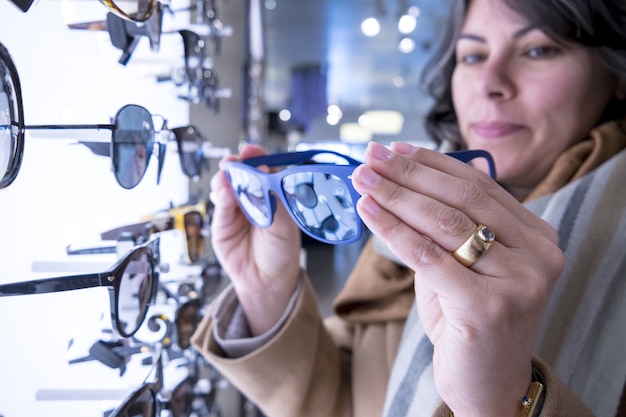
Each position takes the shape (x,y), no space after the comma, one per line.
(270,4)
(335,110)
(407,24)
(284,115)
(364,120)
(406,45)
(399,81)
(332,119)
(354,133)
(384,122)
(370,27)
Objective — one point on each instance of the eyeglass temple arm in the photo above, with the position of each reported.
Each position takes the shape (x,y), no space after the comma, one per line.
(57,284)
(469,154)
(290,158)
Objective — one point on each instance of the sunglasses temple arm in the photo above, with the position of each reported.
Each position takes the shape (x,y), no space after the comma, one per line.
(290,158)
(71,127)
(57,284)
(467,155)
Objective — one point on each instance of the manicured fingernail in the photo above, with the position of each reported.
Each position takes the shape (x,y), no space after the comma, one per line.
(379,151)
(366,176)
(402,148)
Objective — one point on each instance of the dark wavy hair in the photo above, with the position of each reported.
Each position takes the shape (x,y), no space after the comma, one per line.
(600,25)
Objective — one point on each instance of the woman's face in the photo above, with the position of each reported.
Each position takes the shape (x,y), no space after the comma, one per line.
(522,96)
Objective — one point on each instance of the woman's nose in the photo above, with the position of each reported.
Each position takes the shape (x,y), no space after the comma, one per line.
(497,80)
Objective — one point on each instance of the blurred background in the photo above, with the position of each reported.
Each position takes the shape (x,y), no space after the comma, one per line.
(287,74)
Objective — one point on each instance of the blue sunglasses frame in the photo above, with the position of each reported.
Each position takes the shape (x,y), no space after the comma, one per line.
(303,162)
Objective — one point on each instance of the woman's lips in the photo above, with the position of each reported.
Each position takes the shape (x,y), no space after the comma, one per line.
(495,129)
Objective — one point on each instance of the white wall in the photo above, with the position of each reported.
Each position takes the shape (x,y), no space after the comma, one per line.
(64,194)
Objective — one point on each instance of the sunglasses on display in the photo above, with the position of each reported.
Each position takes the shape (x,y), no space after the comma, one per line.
(186,399)
(188,219)
(132,282)
(318,195)
(133,10)
(133,142)
(191,149)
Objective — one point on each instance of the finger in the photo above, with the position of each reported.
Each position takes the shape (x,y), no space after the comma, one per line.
(462,170)
(425,215)
(456,185)
(445,275)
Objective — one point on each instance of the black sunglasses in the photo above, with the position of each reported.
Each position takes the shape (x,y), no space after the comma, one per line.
(133,142)
(133,136)
(132,282)
(186,399)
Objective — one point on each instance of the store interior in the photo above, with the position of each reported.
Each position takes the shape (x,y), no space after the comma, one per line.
(269,57)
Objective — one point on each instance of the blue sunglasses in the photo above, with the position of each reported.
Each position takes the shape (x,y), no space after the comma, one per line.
(316,189)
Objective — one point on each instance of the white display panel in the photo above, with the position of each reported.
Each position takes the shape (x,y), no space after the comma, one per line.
(65,195)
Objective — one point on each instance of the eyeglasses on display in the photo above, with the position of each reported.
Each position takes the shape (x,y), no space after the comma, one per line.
(132,282)
(318,195)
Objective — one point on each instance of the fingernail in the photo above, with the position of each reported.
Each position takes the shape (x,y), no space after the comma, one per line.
(379,151)
(367,205)
(402,148)
(366,175)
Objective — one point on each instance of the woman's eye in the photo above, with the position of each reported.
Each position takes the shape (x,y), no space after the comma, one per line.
(470,59)
(542,52)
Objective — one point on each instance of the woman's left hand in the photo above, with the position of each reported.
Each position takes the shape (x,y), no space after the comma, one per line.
(483,319)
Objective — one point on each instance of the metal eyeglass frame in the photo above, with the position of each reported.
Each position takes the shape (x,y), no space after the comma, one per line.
(110,278)
(273,181)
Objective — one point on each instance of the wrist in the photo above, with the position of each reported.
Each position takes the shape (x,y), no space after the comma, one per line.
(264,306)
(530,405)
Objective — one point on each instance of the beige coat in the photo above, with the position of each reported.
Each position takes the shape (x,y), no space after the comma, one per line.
(340,367)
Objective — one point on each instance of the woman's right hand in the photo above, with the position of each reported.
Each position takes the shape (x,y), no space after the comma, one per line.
(262,264)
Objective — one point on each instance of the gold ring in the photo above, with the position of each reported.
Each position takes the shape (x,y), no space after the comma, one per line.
(475,247)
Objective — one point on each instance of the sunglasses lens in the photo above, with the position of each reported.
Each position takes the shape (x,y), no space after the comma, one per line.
(182,399)
(190,150)
(135,292)
(133,140)
(141,405)
(7,144)
(187,320)
(194,223)
(11,121)
(323,205)
(249,192)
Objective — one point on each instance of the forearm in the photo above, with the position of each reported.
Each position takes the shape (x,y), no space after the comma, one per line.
(299,372)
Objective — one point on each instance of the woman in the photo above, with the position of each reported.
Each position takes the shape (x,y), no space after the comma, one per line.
(540,85)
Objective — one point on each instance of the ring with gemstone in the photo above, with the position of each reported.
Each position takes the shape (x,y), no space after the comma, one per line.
(475,246)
